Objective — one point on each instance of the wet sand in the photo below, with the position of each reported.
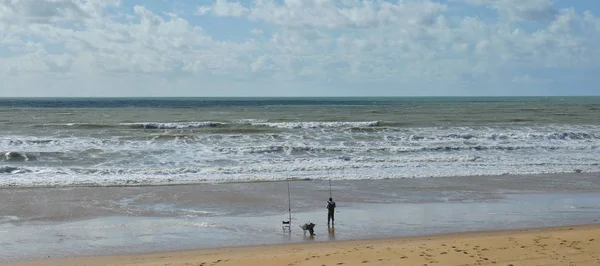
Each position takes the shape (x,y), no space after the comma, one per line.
(572,245)
(54,223)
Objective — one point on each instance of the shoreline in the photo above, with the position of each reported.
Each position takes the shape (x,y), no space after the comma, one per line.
(205,182)
(90,221)
(540,245)
(298,179)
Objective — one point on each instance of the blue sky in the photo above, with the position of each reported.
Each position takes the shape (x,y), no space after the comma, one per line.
(141,48)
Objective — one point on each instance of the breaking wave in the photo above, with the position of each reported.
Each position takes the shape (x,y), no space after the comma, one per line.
(205,124)
(253,149)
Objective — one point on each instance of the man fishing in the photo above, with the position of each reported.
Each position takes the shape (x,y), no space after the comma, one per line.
(330,211)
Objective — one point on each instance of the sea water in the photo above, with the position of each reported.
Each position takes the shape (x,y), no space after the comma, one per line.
(150,141)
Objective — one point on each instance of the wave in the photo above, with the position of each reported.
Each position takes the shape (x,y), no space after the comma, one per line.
(525,135)
(13,156)
(241,130)
(184,153)
(304,166)
(13,170)
(335,124)
(343,170)
(143,125)
(16,142)
(172,136)
(77,125)
(395,130)
(9,219)
(205,124)
(387,149)
(172,125)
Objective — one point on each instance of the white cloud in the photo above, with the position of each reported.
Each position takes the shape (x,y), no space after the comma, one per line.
(256,31)
(44,12)
(336,15)
(329,14)
(229,9)
(223,8)
(203,10)
(519,10)
(296,47)
(534,10)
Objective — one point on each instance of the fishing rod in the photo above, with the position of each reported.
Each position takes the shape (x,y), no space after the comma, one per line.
(330,188)
(289,203)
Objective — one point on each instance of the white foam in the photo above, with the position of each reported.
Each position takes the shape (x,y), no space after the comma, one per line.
(333,152)
(317,124)
(178,125)
(8,219)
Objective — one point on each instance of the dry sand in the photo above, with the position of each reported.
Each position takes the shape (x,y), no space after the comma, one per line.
(572,245)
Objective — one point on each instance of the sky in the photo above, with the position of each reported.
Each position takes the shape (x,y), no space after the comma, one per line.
(261,48)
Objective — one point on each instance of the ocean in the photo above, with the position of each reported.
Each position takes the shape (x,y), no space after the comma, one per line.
(157,141)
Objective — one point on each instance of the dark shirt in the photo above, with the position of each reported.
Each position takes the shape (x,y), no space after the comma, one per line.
(330,205)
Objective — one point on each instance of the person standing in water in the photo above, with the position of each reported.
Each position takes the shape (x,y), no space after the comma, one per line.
(330,211)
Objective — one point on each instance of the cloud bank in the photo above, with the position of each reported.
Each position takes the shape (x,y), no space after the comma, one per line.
(298,48)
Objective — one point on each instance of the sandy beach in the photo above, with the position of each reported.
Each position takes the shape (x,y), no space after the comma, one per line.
(51,224)
(570,245)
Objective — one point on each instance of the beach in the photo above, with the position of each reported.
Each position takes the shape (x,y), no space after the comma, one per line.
(104,177)
(57,223)
(571,245)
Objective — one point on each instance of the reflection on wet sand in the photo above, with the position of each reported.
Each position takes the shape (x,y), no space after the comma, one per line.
(117,220)
(331,232)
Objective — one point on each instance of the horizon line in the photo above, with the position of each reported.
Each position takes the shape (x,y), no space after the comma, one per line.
(273,97)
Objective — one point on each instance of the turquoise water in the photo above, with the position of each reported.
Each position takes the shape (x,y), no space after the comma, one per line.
(141,141)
